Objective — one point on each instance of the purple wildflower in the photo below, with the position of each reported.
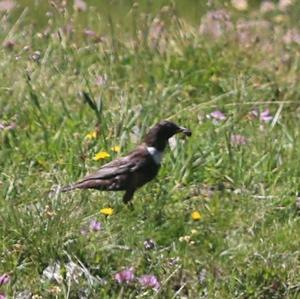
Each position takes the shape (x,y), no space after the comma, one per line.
(7,5)
(89,32)
(267,6)
(284,4)
(125,276)
(10,126)
(292,36)
(149,244)
(95,225)
(2,296)
(101,80)
(149,281)
(80,5)
(298,202)
(216,24)
(237,139)
(9,44)
(4,279)
(218,115)
(156,32)
(265,116)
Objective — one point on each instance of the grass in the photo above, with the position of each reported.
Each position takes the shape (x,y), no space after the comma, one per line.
(58,84)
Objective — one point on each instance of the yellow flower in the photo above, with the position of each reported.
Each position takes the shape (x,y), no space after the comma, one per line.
(196,216)
(116,148)
(101,155)
(107,211)
(91,135)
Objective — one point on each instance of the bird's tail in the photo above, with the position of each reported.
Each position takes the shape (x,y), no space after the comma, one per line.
(55,190)
(89,184)
(69,188)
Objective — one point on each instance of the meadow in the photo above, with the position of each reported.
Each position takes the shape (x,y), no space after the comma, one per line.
(83,81)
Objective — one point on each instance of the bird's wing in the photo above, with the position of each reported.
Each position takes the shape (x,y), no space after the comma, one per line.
(116,167)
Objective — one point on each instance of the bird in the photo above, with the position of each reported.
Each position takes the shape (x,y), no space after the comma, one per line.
(137,168)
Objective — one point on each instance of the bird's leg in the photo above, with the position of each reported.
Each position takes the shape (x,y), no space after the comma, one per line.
(128,195)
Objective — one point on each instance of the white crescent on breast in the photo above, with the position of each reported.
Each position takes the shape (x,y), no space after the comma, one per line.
(155,154)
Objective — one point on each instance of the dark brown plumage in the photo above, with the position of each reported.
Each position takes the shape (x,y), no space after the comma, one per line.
(137,168)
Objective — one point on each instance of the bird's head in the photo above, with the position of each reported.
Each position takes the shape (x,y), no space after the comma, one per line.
(158,135)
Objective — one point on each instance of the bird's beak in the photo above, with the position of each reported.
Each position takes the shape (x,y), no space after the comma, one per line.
(185,131)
